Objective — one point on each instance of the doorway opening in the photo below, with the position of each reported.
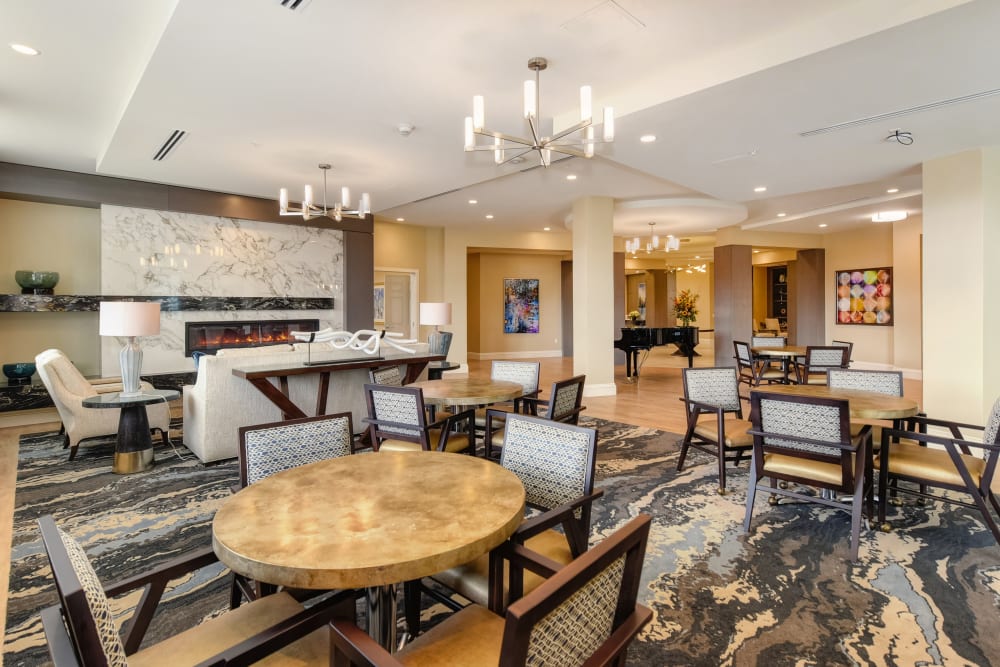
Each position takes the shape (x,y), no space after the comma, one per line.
(400,290)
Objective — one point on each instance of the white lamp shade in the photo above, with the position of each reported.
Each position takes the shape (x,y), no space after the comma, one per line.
(130,318)
(435,313)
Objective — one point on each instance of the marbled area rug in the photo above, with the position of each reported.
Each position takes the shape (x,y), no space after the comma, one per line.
(925,594)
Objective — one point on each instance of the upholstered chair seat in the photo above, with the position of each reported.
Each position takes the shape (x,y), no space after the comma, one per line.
(734,432)
(586,614)
(456,444)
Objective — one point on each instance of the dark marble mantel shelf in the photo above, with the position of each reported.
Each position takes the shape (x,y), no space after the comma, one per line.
(65,303)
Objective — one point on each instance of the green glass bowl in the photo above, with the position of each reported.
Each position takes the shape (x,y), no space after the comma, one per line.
(36,279)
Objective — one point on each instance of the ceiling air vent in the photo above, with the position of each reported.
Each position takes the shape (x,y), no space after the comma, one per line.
(293,4)
(169,145)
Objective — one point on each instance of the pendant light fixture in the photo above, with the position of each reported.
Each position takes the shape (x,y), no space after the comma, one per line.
(339,211)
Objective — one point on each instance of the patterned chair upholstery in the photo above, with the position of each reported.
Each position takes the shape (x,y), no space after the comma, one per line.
(850,350)
(523,372)
(715,392)
(81,629)
(556,463)
(818,360)
(751,371)
(563,405)
(807,440)
(882,382)
(397,421)
(955,464)
(386,375)
(269,448)
(587,614)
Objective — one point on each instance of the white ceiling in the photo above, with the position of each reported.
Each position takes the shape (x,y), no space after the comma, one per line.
(728,86)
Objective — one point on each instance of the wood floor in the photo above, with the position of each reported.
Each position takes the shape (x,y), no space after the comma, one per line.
(651,401)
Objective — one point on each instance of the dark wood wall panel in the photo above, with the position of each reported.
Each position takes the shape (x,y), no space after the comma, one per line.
(359,280)
(806,299)
(733,299)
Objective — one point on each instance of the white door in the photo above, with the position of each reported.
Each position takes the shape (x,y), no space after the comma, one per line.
(397,303)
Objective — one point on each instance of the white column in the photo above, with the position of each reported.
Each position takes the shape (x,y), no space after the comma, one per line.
(593,294)
(961,285)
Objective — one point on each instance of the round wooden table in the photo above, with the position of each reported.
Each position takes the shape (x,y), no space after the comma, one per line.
(468,391)
(368,521)
(863,404)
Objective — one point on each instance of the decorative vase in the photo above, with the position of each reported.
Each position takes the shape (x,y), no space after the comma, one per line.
(36,282)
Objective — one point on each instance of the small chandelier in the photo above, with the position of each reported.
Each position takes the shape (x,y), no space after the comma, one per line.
(578,146)
(340,210)
(632,246)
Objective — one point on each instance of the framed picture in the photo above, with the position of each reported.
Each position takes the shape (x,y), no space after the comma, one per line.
(864,296)
(642,301)
(520,305)
(380,303)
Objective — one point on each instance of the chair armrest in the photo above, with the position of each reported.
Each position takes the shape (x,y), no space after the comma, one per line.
(923,421)
(287,631)
(448,428)
(520,558)
(60,645)
(349,641)
(520,403)
(553,517)
(457,418)
(155,582)
(530,405)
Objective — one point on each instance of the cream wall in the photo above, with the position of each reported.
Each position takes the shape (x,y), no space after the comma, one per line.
(413,248)
(493,343)
(894,245)
(71,246)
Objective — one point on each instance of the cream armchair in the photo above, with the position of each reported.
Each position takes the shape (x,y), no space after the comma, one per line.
(67,387)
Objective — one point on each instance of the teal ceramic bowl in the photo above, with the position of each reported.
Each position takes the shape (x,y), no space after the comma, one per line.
(36,279)
(19,371)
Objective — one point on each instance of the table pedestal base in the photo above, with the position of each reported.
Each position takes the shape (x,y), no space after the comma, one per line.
(381,603)
(134,449)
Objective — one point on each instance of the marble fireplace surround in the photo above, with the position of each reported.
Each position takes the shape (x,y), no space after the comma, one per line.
(205,267)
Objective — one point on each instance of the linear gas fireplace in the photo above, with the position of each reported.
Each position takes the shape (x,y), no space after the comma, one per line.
(209,337)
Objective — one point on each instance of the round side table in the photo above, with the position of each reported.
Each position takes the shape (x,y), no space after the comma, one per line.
(134,447)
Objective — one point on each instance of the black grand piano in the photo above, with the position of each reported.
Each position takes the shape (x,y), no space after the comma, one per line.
(644,338)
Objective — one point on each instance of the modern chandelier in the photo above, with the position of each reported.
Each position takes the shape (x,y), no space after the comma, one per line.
(632,246)
(339,211)
(577,140)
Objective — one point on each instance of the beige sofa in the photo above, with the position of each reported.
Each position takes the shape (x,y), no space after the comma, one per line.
(218,403)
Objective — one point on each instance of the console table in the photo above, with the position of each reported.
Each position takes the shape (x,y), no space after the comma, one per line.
(265,377)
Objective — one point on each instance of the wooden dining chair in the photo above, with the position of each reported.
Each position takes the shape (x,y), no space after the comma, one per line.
(751,371)
(963,470)
(388,376)
(586,613)
(266,449)
(714,393)
(850,350)
(807,440)
(82,630)
(818,360)
(397,421)
(524,373)
(889,383)
(556,463)
(562,405)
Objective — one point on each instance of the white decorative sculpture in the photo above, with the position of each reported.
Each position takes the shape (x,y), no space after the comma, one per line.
(346,340)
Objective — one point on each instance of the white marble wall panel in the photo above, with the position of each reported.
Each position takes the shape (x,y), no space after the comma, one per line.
(162,253)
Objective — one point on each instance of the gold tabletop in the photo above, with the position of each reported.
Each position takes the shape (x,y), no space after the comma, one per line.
(787,351)
(468,391)
(368,519)
(863,404)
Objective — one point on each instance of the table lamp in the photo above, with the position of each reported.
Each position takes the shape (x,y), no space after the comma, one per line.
(437,314)
(130,319)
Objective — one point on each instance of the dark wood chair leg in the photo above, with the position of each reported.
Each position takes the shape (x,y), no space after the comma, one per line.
(411,606)
(72,450)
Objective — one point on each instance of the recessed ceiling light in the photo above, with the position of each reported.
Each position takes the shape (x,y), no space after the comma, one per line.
(822,225)
(473,201)
(400,219)
(760,188)
(647,138)
(782,215)
(570,177)
(24,49)
(697,256)
(547,229)
(892,191)
(889,216)
(489,216)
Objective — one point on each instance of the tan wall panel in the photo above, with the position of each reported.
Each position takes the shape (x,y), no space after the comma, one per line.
(493,268)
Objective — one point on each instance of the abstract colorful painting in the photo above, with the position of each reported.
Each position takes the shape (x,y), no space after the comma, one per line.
(520,305)
(380,303)
(864,296)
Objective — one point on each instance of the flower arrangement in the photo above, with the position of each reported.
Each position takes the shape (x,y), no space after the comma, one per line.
(633,315)
(685,307)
